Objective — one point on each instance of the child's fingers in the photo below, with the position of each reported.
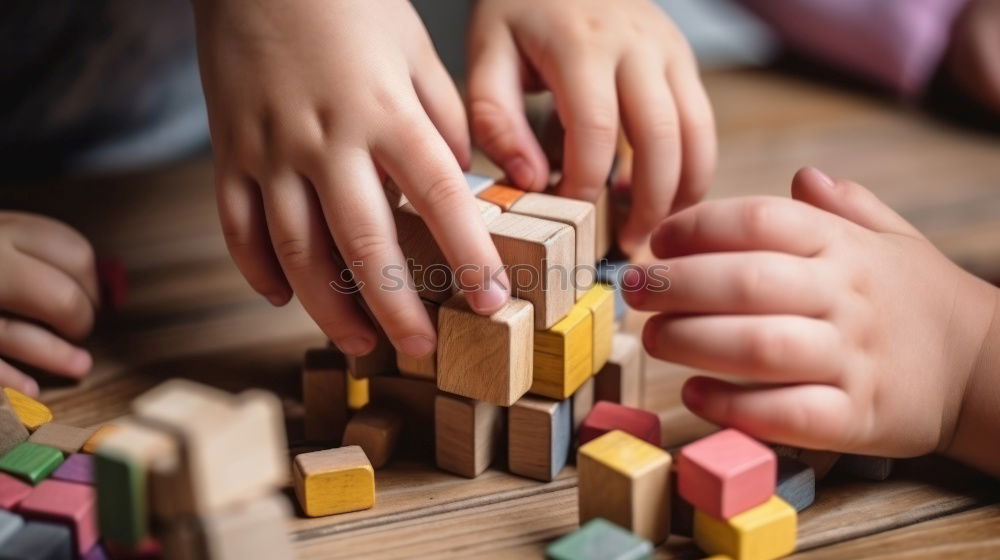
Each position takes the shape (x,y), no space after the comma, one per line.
(848,200)
(304,249)
(443,105)
(698,143)
(17,380)
(64,248)
(38,347)
(770,348)
(745,282)
(651,125)
(241,213)
(419,162)
(811,416)
(496,108)
(36,290)
(744,224)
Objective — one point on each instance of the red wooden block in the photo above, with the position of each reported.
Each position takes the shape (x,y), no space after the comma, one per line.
(726,473)
(67,503)
(606,416)
(12,491)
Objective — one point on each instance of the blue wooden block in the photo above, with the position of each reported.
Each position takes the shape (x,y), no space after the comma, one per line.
(10,524)
(599,539)
(38,540)
(796,483)
(539,434)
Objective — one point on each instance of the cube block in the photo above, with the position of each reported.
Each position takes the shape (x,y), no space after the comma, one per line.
(621,378)
(38,540)
(78,468)
(31,412)
(65,438)
(726,473)
(10,523)
(763,532)
(31,462)
(538,437)
(70,504)
(796,483)
(12,491)
(607,416)
(100,434)
(600,302)
(562,355)
(599,539)
(376,430)
(467,433)
(334,481)
(501,195)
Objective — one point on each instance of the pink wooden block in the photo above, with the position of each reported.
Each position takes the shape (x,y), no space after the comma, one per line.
(606,416)
(726,473)
(12,491)
(68,503)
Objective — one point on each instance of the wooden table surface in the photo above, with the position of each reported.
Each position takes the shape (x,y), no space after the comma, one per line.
(190,314)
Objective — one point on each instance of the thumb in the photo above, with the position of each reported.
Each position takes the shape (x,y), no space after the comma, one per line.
(848,200)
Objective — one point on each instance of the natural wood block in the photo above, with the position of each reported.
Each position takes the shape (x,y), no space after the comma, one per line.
(12,491)
(31,412)
(334,481)
(607,416)
(78,468)
(621,378)
(357,392)
(65,438)
(599,539)
(31,462)
(604,231)
(324,394)
(424,367)
(66,503)
(538,437)
(796,483)
(256,529)
(100,434)
(726,473)
(626,481)
(467,434)
(600,302)
(540,257)
(485,358)
(578,214)
(764,532)
(39,540)
(822,462)
(501,195)
(10,523)
(865,466)
(12,431)
(382,359)
(563,355)
(414,398)
(583,403)
(375,430)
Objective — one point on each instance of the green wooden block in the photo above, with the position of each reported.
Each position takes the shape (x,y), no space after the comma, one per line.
(600,540)
(122,513)
(31,461)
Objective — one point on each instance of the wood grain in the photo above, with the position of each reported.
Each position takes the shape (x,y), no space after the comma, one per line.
(538,437)
(621,379)
(467,434)
(375,429)
(65,438)
(563,355)
(324,395)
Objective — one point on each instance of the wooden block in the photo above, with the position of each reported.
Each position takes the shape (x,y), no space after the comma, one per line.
(607,416)
(256,529)
(599,539)
(128,465)
(563,355)
(38,540)
(67,503)
(424,367)
(866,466)
(796,483)
(10,523)
(12,431)
(726,473)
(540,257)
(467,434)
(31,412)
(822,462)
(414,398)
(604,231)
(100,434)
(578,214)
(12,491)
(621,379)
(334,481)
(478,183)
(764,532)
(501,195)
(626,481)
(78,468)
(31,462)
(600,302)
(538,437)
(485,358)
(357,393)
(65,438)
(375,430)
(324,395)
(583,403)
(382,359)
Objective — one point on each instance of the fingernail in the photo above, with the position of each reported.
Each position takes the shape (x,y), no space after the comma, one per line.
(416,345)
(520,172)
(354,345)
(488,300)
(824,178)
(30,387)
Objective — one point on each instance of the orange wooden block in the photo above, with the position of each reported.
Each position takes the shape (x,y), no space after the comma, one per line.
(502,196)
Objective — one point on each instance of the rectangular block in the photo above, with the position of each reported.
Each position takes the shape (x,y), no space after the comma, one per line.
(604,232)
(324,395)
(539,255)
(822,462)
(12,491)
(563,355)
(12,431)
(467,434)
(579,215)
(866,466)
(256,529)
(600,302)
(66,503)
(100,434)
(583,403)
(607,416)
(599,539)
(334,481)
(424,367)
(796,483)
(501,195)
(65,438)
(31,462)
(764,532)
(31,412)
(78,468)
(538,437)
(357,392)
(626,481)
(375,429)
(485,358)
(10,523)
(621,378)
(726,473)
(38,540)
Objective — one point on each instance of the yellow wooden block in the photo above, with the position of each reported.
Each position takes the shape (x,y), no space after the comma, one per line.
(100,434)
(600,301)
(562,356)
(334,481)
(761,533)
(357,392)
(30,412)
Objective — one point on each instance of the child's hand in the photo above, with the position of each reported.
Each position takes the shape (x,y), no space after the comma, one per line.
(603,61)
(853,331)
(47,281)
(311,104)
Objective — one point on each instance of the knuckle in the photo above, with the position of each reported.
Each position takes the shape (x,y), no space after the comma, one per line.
(366,243)
(489,123)
(600,128)
(758,215)
(294,253)
(767,347)
(747,284)
(445,194)
(660,129)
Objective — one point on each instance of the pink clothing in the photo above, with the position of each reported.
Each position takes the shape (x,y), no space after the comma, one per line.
(896,43)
